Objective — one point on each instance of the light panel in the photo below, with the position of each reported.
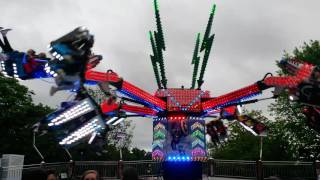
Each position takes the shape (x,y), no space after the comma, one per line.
(92,127)
(79,109)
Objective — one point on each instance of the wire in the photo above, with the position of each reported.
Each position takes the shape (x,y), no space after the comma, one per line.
(265,76)
(42,79)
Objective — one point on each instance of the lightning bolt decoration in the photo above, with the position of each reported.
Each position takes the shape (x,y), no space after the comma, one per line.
(195,61)
(206,46)
(154,60)
(158,46)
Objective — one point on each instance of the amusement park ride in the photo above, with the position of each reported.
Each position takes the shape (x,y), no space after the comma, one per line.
(179,126)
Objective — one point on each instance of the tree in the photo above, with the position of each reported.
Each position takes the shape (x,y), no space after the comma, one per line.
(300,141)
(18,114)
(242,145)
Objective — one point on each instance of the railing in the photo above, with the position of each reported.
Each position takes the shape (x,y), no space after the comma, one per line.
(16,172)
(285,169)
(235,169)
(145,168)
(218,168)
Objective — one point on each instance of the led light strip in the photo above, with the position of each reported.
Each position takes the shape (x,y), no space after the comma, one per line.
(75,111)
(115,120)
(92,127)
(3,69)
(179,158)
(49,71)
(55,54)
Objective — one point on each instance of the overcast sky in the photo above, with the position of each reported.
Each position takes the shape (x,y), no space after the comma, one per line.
(250,36)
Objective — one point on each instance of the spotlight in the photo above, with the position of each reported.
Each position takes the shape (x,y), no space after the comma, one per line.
(293,98)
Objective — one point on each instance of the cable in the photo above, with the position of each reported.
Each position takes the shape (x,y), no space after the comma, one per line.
(42,79)
(265,76)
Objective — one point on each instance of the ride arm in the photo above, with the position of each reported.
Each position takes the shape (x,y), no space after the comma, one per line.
(107,108)
(127,89)
(233,97)
(302,73)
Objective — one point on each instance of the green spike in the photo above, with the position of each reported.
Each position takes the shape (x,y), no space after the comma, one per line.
(195,61)
(206,46)
(159,45)
(196,49)
(213,10)
(154,60)
(150,35)
(156,6)
(205,60)
(160,60)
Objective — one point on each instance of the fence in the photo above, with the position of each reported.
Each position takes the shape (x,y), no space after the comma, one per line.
(213,168)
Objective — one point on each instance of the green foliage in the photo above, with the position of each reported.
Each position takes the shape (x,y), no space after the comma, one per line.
(18,114)
(301,142)
(242,145)
(309,52)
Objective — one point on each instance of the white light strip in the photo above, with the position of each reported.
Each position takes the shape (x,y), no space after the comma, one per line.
(73,112)
(249,129)
(118,121)
(111,120)
(239,109)
(15,71)
(92,127)
(92,137)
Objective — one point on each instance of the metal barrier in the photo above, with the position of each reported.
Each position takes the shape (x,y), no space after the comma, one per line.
(234,168)
(289,169)
(145,168)
(217,168)
(16,172)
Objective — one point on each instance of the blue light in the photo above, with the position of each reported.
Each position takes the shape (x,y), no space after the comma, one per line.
(181,159)
(154,107)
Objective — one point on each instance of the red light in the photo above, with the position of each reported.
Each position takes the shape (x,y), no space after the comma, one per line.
(100,76)
(291,81)
(138,110)
(143,95)
(249,90)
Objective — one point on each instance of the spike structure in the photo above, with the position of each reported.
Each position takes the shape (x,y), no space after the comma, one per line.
(206,46)
(158,46)
(195,61)
(154,60)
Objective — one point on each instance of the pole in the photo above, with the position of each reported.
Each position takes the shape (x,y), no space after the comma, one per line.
(261,143)
(36,148)
(120,153)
